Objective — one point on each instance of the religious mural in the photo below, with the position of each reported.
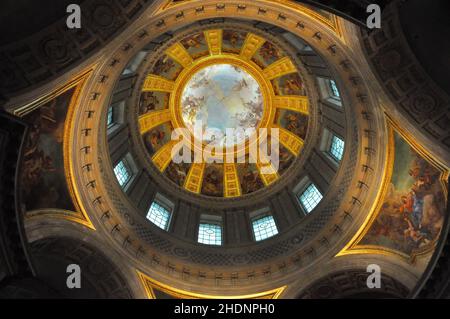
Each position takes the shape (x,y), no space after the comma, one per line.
(196,45)
(177,172)
(213,180)
(411,216)
(294,122)
(222,96)
(157,137)
(43,176)
(289,84)
(153,101)
(232,41)
(249,177)
(167,68)
(267,54)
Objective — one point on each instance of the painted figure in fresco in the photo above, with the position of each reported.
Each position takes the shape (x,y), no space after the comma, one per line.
(417,210)
(268,52)
(232,37)
(294,124)
(411,216)
(194,41)
(292,85)
(42,171)
(211,183)
(239,85)
(192,105)
(36,162)
(177,173)
(156,138)
(250,180)
(148,102)
(411,232)
(163,65)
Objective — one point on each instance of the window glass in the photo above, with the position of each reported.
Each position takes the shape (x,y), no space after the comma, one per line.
(264,227)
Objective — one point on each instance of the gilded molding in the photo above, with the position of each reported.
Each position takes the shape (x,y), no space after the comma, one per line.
(153,119)
(157,83)
(150,284)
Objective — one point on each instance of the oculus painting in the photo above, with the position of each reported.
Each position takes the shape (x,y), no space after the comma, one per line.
(412,212)
(222,96)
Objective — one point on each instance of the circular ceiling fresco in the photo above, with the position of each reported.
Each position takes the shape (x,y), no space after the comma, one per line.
(221,97)
(233,91)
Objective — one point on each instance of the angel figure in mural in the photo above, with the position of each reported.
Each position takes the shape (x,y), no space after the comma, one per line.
(192,106)
(177,173)
(419,207)
(411,232)
(412,213)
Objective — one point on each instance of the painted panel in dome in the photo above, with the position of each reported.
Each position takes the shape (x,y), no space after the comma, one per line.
(177,173)
(267,54)
(213,180)
(153,101)
(286,159)
(232,41)
(412,211)
(43,177)
(294,122)
(196,45)
(157,137)
(249,177)
(167,67)
(290,84)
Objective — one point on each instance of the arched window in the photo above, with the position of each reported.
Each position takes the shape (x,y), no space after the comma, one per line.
(110,120)
(264,227)
(210,230)
(123,172)
(329,91)
(159,214)
(310,197)
(336,148)
(334,90)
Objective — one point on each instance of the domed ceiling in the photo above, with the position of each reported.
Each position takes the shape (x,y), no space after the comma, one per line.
(353,187)
(218,92)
